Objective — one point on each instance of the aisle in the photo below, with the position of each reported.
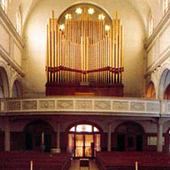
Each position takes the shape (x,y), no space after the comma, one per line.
(75,165)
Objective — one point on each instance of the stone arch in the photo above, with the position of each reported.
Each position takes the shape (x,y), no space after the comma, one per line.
(96,5)
(164,82)
(86,134)
(150,91)
(38,135)
(4,83)
(84,122)
(167,140)
(16,90)
(130,136)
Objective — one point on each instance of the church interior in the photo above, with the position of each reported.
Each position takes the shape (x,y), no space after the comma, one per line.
(85,80)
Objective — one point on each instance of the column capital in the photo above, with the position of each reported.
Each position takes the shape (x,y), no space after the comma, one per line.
(160,121)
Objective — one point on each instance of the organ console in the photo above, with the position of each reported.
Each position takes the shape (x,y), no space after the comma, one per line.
(84,55)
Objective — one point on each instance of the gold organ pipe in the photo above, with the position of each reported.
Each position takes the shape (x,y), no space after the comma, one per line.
(111,48)
(56,49)
(47,57)
(118,49)
(121,61)
(84,45)
(49,47)
(81,59)
(87,55)
(53,56)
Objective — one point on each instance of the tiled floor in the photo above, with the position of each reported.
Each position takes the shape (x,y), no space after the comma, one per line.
(75,165)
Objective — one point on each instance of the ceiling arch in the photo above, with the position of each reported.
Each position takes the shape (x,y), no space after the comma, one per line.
(143,7)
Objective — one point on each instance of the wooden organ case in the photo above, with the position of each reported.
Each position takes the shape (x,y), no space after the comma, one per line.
(84,56)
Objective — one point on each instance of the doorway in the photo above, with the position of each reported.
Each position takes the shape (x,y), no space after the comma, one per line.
(38,136)
(129,137)
(84,143)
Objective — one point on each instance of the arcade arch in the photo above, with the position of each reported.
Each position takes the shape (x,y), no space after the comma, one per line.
(4,85)
(84,139)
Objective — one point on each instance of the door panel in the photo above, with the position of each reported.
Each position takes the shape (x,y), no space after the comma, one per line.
(84,145)
(79,144)
(131,142)
(121,142)
(88,142)
(139,143)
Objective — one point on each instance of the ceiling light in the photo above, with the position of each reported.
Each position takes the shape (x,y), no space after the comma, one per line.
(68,16)
(62,27)
(107,27)
(78,10)
(101,17)
(91,11)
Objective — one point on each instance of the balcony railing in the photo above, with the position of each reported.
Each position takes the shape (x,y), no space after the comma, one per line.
(86,105)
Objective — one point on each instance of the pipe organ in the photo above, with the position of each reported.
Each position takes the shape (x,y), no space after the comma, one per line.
(84,53)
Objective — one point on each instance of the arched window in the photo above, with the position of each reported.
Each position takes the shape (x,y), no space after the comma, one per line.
(150,92)
(166,5)
(16,89)
(3,4)
(1,88)
(18,22)
(4,85)
(151,25)
(84,128)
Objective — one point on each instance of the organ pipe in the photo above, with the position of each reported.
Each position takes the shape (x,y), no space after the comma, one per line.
(84,51)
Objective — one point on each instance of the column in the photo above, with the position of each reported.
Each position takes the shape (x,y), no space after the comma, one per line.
(7,134)
(159,135)
(109,137)
(58,138)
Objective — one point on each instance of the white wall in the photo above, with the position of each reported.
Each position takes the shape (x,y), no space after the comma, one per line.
(35,51)
(158,49)
(10,42)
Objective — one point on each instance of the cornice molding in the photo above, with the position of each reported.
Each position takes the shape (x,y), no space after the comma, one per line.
(12,63)
(165,55)
(11,28)
(153,38)
(158,30)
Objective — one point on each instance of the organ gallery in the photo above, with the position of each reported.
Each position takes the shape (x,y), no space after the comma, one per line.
(84,53)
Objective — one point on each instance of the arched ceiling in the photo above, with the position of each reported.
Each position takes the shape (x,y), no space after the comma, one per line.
(143,7)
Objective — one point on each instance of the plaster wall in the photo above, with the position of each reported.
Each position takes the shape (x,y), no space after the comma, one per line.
(158,51)
(35,36)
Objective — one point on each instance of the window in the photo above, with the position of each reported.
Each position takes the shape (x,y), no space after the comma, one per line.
(151,25)
(166,4)
(18,22)
(1,88)
(84,128)
(3,4)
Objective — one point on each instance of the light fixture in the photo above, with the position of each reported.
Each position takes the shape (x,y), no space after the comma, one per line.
(91,11)
(78,10)
(68,16)
(62,27)
(101,17)
(107,27)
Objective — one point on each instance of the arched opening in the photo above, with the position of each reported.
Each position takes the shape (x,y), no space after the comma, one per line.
(167,141)
(4,86)
(163,85)
(150,92)
(2,140)
(84,140)
(16,90)
(167,93)
(38,136)
(129,137)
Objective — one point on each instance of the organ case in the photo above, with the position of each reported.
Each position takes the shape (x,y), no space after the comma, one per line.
(84,57)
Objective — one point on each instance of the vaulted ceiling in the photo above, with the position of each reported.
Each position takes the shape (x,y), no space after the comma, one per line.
(143,7)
